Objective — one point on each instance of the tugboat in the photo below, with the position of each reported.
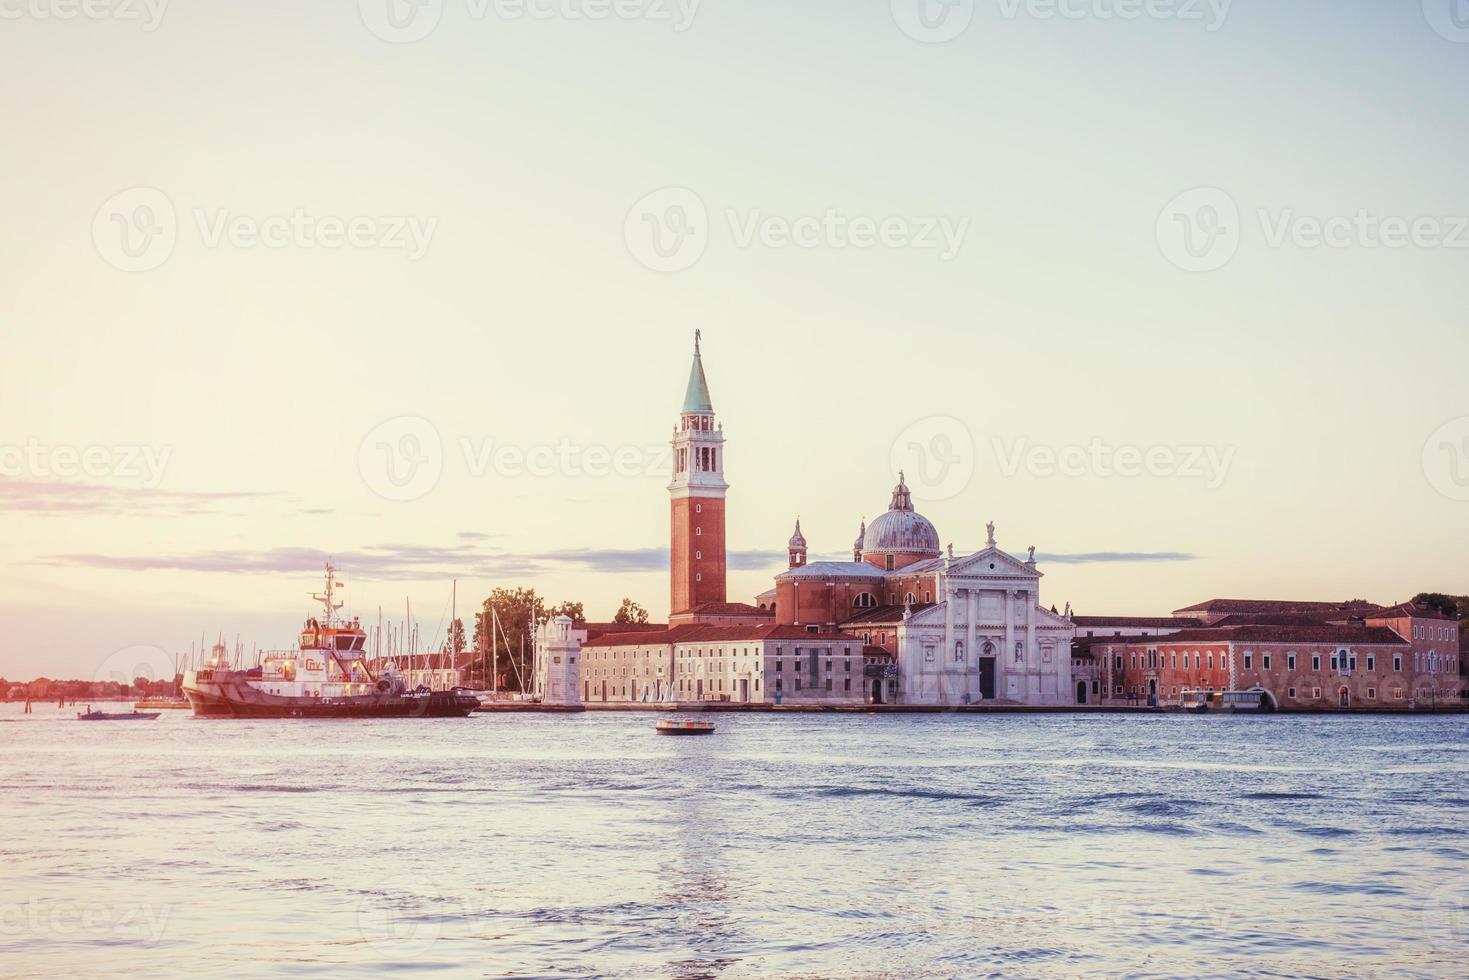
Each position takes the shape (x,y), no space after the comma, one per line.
(327,676)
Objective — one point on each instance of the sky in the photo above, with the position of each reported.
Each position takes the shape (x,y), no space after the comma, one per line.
(1171,291)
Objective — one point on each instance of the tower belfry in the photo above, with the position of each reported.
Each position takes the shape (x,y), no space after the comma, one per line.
(696,560)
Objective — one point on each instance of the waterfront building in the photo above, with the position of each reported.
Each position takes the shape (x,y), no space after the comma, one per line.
(1296,655)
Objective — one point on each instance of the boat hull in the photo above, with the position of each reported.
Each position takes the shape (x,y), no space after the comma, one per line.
(233,698)
(123,716)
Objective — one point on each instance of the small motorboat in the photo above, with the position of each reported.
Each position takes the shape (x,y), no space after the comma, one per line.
(134,715)
(684,728)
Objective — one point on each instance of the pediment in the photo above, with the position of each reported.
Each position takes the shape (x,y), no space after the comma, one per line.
(992,563)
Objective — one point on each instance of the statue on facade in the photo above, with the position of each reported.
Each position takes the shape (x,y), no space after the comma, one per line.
(991,528)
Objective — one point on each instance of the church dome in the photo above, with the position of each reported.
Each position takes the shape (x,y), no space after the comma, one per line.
(901,530)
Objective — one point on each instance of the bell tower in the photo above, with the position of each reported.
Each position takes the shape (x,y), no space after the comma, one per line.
(696,561)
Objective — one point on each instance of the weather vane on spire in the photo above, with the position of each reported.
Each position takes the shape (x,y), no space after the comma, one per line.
(697,335)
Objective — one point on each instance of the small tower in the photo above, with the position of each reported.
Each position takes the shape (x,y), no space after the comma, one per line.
(857,545)
(558,672)
(797,547)
(696,499)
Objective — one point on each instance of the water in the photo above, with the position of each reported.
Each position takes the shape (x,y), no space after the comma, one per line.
(805,845)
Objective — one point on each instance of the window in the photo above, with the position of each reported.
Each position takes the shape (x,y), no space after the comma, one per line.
(864,600)
(1315,692)
(778,683)
(1290,692)
(1315,661)
(698,508)
(698,554)
(1397,664)
(1372,694)
(927,596)
(828,683)
(847,684)
(1249,661)
(698,576)
(1173,660)
(1290,661)
(1264,661)
(888,563)
(698,532)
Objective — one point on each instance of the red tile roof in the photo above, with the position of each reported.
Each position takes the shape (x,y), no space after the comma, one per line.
(1405,609)
(1108,621)
(731,609)
(1273,606)
(880,615)
(600,629)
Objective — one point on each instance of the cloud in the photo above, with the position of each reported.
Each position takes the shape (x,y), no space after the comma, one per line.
(58,497)
(1093,557)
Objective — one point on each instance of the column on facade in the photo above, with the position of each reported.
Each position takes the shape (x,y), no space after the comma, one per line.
(950,597)
(1032,652)
(971,652)
(1007,655)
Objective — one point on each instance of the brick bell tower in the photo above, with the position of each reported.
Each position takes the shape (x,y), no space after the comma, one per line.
(697,499)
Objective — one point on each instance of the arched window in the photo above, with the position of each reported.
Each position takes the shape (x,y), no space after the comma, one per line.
(864,600)
(909,599)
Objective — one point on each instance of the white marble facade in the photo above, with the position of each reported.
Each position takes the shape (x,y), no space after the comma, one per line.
(987,640)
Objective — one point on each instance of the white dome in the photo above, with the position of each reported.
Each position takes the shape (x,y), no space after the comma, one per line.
(901,530)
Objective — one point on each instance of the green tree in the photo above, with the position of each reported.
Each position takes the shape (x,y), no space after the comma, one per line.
(517,610)
(1456,606)
(454,642)
(630,612)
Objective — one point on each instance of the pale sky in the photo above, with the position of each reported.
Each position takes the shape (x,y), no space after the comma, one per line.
(503,177)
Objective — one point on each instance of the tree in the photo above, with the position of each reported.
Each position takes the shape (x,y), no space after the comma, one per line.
(517,610)
(1456,606)
(630,612)
(454,642)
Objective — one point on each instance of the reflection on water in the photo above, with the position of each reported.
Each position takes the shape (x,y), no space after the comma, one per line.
(796,845)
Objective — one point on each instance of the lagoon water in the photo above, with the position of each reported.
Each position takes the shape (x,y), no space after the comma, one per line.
(794,845)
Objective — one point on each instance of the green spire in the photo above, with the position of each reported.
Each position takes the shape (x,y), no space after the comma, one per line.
(696,398)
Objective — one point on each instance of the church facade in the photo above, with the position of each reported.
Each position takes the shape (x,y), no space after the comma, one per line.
(904,622)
